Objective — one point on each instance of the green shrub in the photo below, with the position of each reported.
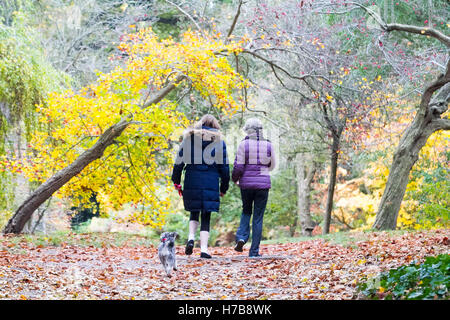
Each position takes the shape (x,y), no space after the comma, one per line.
(429,280)
(433,208)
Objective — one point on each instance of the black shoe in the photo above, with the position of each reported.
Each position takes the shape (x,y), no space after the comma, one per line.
(205,255)
(189,247)
(239,245)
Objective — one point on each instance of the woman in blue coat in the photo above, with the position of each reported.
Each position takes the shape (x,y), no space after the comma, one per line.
(203,157)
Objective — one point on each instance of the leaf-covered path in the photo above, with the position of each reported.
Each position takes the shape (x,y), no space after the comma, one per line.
(313,269)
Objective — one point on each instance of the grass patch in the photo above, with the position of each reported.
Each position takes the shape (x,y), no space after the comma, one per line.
(81,237)
(346,239)
(68,238)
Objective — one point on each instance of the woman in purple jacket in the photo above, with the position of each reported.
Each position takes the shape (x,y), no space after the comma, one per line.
(254,160)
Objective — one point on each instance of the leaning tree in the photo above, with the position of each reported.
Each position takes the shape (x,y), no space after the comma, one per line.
(286,29)
(432,110)
(110,137)
(412,59)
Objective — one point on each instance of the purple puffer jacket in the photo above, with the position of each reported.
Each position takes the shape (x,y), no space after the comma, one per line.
(254,160)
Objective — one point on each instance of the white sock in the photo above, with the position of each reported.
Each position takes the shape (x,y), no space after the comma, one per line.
(193,225)
(204,236)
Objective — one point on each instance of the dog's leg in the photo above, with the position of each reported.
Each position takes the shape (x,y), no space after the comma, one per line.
(168,269)
(172,263)
(174,260)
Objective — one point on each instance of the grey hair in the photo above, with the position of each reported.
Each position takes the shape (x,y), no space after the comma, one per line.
(252,125)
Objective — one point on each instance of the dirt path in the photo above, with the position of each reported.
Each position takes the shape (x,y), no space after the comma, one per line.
(314,269)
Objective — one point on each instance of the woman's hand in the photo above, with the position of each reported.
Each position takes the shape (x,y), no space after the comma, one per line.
(222,194)
(178,187)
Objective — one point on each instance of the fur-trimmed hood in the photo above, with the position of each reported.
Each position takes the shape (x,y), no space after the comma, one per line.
(206,133)
(203,158)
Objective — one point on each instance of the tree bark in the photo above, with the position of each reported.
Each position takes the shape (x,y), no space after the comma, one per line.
(426,122)
(44,191)
(305,173)
(419,30)
(332,184)
(405,157)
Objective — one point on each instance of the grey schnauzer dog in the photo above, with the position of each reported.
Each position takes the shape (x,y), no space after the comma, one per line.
(166,252)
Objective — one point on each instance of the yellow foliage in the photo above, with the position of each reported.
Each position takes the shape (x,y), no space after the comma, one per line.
(134,170)
(378,174)
(352,203)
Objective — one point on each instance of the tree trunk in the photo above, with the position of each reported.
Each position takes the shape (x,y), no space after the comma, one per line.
(44,191)
(332,184)
(305,173)
(404,158)
(406,155)
(426,122)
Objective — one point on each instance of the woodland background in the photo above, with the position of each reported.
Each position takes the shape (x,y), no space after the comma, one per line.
(377,81)
(94,99)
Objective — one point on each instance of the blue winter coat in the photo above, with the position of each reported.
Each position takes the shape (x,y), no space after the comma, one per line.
(203,156)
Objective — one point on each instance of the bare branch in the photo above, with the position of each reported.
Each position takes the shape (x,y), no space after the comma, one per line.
(440,124)
(372,13)
(236,17)
(163,92)
(419,30)
(404,27)
(186,14)
(439,104)
(274,65)
(431,89)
